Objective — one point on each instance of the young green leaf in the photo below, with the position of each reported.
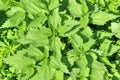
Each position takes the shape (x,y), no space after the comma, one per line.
(74,8)
(98,71)
(100,18)
(34,7)
(53,4)
(115,28)
(15,17)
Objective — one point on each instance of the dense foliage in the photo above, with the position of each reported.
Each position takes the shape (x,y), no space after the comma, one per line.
(60,39)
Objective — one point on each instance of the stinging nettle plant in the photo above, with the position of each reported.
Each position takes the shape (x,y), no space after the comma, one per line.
(59,40)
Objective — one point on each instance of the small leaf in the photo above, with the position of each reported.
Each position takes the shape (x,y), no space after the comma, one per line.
(56,47)
(35,53)
(77,41)
(74,8)
(84,6)
(74,73)
(53,4)
(59,75)
(54,19)
(3,5)
(116,28)
(84,20)
(72,56)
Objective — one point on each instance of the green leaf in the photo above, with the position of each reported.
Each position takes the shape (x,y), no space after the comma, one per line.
(82,63)
(35,53)
(77,41)
(19,61)
(74,73)
(64,68)
(53,4)
(74,8)
(108,48)
(16,17)
(34,7)
(37,22)
(114,49)
(44,72)
(59,75)
(2,44)
(4,5)
(84,7)
(70,27)
(107,62)
(84,20)
(100,18)
(53,62)
(14,10)
(54,19)
(23,63)
(116,28)
(56,47)
(87,32)
(72,56)
(37,37)
(88,44)
(98,71)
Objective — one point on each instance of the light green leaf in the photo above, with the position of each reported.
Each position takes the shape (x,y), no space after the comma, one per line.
(107,62)
(100,18)
(28,73)
(19,61)
(88,44)
(16,17)
(116,28)
(77,41)
(56,47)
(72,56)
(35,53)
(87,32)
(53,62)
(74,8)
(63,68)
(37,37)
(23,63)
(34,7)
(3,5)
(37,22)
(102,2)
(84,20)
(82,63)
(84,6)
(14,10)
(105,47)
(69,28)
(74,73)
(114,49)
(2,44)
(98,71)
(59,75)
(54,19)
(44,72)
(53,4)
(73,31)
